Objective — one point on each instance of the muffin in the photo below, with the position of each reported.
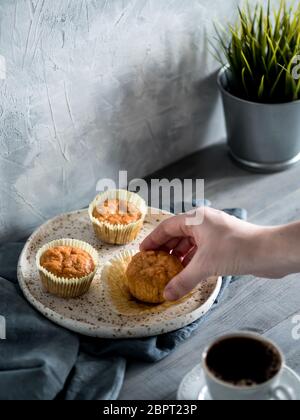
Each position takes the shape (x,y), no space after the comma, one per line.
(117,216)
(117,212)
(122,302)
(148,274)
(67,267)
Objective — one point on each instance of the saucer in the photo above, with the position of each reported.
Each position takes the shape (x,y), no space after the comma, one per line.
(193,386)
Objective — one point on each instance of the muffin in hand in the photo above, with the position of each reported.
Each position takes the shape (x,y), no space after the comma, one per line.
(148,274)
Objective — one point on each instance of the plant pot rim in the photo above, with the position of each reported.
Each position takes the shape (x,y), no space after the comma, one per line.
(224,69)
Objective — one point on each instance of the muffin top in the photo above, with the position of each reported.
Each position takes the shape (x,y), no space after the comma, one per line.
(67,262)
(149,272)
(117,212)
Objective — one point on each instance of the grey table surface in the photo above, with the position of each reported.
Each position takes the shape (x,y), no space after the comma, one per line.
(253,304)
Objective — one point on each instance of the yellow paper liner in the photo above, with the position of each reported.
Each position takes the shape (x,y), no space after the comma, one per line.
(118,234)
(63,287)
(117,293)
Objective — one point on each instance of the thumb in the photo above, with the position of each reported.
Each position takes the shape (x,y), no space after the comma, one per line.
(184,283)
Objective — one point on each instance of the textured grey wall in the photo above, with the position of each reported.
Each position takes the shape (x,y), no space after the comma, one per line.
(94,86)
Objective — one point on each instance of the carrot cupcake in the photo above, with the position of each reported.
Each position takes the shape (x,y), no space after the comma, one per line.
(117,216)
(148,274)
(67,267)
(134,283)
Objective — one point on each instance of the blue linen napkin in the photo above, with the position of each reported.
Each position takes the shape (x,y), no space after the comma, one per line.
(42,361)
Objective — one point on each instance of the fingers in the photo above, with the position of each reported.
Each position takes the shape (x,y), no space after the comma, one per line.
(183,247)
(169,246)
(175,227)
(184,283)
(188,258)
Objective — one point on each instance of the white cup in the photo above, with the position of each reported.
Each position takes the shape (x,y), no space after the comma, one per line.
(222,390)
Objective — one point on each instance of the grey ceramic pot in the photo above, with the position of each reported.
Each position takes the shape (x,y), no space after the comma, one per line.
(261,137)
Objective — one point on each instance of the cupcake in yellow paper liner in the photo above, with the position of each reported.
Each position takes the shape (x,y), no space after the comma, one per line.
(134,290)
(67,267)
(117,216)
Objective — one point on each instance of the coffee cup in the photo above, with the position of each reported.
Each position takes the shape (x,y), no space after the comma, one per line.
(244,366)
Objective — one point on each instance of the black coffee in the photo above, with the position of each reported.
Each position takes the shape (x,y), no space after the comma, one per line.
(243,361)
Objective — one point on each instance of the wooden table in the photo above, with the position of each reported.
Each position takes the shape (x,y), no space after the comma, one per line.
(251,304)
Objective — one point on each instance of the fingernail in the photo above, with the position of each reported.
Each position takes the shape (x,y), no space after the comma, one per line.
(170,295)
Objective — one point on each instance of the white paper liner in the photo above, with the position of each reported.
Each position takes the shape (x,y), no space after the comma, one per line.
(67,287)
(118,234)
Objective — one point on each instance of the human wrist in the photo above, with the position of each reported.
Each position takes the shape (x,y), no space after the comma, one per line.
(243,248)
(286,241)
(252,247)
(273,252)
(264,253)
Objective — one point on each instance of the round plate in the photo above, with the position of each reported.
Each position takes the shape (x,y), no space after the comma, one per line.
(193,385)
(90,314)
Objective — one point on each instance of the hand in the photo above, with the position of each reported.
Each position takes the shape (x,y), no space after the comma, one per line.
(220,245)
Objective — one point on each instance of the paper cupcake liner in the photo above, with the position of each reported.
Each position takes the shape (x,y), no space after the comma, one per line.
(117,293)
(118,234)
(65,287)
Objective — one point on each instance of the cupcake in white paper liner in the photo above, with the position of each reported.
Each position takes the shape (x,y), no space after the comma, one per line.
(117,216)
(67,287)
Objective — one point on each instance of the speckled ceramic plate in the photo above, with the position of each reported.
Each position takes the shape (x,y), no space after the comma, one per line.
(90,314)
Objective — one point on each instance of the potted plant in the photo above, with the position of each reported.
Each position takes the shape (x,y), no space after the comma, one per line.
(260,92)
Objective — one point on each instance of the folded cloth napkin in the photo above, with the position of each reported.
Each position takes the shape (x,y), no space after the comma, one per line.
(39,360)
